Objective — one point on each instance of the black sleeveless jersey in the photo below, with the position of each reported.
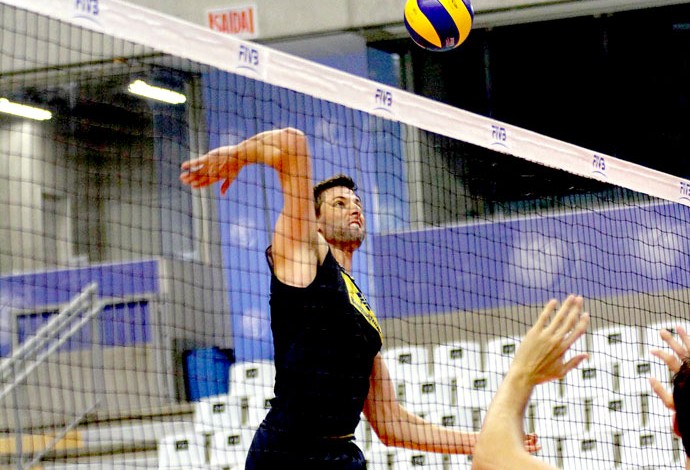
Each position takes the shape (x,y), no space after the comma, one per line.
(325,338)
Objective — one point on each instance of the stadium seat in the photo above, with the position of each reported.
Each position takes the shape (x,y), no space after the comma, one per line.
(229,448)
(456,462)
(614,343)
(181,451)
(557,418)
(633,375)
(588,452)
(257,407)
(591,378)
(648,449)
(499,353)
(551,450)
(408,459)
(249,378)
(462,418)
(652,339)
(422,396)
(613,412)
(456,358)
(218,412)
(381,458)
(407,362)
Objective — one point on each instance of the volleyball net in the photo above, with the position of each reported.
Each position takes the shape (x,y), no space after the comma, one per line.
(122,291)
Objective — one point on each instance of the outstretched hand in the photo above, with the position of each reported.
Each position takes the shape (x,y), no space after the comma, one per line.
(218,164)
(541,352)
(672,361)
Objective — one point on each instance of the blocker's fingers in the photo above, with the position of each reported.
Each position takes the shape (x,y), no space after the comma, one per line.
(545,314)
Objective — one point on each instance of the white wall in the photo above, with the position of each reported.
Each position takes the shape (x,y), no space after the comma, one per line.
(294,18)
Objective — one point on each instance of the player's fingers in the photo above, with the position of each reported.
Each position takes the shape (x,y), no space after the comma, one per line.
(669,359)
(573,363)
(560,320)
(225,186)
(571,317)
(685,339)
(543,319)
(578,330)
(660,391)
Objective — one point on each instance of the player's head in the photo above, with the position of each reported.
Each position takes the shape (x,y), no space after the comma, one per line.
(681,400)
(339,212)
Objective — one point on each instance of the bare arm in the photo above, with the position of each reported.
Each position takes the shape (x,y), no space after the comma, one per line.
(539,359)
(681,350)
(296,244)
(397,427)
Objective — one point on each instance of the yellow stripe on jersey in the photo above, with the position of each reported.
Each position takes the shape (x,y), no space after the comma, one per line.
(360,303)
(461,16)
(421,24)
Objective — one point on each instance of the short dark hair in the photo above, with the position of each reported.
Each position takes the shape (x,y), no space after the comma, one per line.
(681,400)
(328,183)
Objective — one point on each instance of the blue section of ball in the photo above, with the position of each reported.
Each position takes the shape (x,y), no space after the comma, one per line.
(419,40)
(443,23)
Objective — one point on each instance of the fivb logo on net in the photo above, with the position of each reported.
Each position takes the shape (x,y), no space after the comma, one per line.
(249,58)
(87,9)
(684,191)
(383,100)
(599,166)
(499,136)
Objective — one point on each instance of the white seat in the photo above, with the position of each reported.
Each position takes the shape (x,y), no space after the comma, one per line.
(422,396)
(250,378)
(218,412)
(229,448)
(499,352)
(652,338)
(257,407)
(615,343)
(614,412)
(461,418)
(181,451)
(381,458)
(456,358)
(408,459)
(456,462)
(407,362)
(588,452)
(552,449)
(647,449)
(633,375)
(557,418)
(592,378)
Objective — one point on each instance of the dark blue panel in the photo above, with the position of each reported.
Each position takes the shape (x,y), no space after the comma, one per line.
(528,261)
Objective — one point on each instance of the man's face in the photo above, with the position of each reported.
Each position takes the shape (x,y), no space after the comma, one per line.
(341,220)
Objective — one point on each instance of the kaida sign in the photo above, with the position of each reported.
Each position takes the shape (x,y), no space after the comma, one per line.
(237,21)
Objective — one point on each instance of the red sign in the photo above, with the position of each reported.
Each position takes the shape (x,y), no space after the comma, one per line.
(238,21)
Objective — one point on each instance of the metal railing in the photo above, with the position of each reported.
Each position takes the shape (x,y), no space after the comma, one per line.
(34,352)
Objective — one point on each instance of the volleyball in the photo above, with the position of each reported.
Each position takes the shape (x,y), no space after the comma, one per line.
(438,25)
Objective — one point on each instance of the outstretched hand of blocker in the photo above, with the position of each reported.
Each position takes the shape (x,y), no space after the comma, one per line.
(541,353)
(673,361)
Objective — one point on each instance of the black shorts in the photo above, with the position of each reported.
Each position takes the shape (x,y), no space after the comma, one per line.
(272,449)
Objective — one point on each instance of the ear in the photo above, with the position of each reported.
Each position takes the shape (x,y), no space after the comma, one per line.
(675,426)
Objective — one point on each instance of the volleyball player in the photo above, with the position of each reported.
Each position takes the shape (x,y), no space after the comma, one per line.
(539,359)
(679,399)
(326,338)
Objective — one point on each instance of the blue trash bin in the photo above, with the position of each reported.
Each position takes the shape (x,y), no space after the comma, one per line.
(208,372)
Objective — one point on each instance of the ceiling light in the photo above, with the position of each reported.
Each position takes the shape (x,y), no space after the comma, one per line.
(9,107)
(141,88)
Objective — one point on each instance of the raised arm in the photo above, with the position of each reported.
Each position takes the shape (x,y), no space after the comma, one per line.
(539,359)
(678,364)
(296,244)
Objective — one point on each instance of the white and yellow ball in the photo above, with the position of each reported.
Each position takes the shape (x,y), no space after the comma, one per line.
(439,25)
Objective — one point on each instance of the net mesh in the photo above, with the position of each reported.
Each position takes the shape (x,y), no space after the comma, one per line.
(134,316)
